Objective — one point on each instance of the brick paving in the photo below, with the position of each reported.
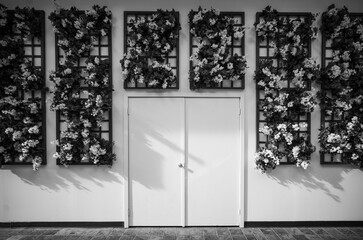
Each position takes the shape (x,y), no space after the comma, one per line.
(200,233)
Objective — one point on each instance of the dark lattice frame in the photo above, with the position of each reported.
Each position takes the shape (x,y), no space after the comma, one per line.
(35,52)
(171,58)
(103,50)
(264,51)
(325,121)
(237,46)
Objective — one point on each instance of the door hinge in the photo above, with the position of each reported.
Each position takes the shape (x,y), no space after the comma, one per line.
(240,111)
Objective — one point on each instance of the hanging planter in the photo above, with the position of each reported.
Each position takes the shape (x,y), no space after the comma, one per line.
(22,91)
(213,62)
(284,80)
(82,94)
(150,40)
(341,93)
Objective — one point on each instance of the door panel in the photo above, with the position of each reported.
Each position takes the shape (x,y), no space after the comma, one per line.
(164,132)
(156,147)
(213,150)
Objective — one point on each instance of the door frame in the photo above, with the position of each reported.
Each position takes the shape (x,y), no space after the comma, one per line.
(242,154)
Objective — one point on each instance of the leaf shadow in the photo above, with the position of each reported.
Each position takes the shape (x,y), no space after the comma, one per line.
(319,177)
(57,178)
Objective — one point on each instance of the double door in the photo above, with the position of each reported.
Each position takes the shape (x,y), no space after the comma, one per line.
(184,161)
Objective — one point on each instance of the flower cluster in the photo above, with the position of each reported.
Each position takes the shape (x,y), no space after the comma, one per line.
(286,89)
(212,60)
(21,113)
(82,95)
(150,40)
(77,31)
(341,93)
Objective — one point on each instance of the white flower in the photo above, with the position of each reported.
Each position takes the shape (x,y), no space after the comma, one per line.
(266,130)
(335,71)
(304,164)
(3,43)
(332,12)
(218,78)
(90,25)
(77,24)
(69,157)
(99,100)
(67,146)
(37,161)
(90,66)
(79,35)
(85,133)
(346,22)
(346,56)
(281,127)
(238,34)
(332,138)
(33,108)
(34,130)
(67,71)
(10,89)
(17,135)
(354,156)
(296,151)
(9,130)
(197,17)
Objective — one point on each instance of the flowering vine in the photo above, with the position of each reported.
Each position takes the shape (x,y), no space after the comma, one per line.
(82,95)
(286,89)
(341,93)
(150,40)
(21,116)
(212,60)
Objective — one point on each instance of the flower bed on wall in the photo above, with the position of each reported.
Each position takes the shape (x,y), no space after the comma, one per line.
(213,61)
(82,94)
(151,50)
(22,127)
(341,94)
(283,79)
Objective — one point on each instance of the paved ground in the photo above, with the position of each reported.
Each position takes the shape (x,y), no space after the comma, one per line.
(181,233)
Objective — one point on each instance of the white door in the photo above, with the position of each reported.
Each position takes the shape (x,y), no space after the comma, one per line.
(213,147)
(156,141)
(202,134)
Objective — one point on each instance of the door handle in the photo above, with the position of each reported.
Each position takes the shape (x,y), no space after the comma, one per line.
(180,165)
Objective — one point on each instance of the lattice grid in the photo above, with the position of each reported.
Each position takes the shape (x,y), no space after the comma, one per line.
(102,48)
(34,51)
(327,120)
(237,46)
(265,52)
(171,58)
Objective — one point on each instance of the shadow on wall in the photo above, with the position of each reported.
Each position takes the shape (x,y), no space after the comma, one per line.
(145,154)
(61,178)
(325,178)
(141,149)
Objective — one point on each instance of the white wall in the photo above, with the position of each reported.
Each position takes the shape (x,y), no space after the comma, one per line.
(89,193)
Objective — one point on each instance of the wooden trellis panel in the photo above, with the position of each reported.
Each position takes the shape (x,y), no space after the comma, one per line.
(103,50)
(265,52)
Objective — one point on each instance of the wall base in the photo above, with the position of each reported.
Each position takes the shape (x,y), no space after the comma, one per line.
(61,224)
(305,224)
(247,224)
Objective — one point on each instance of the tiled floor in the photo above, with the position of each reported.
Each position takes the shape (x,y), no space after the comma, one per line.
(181,233)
